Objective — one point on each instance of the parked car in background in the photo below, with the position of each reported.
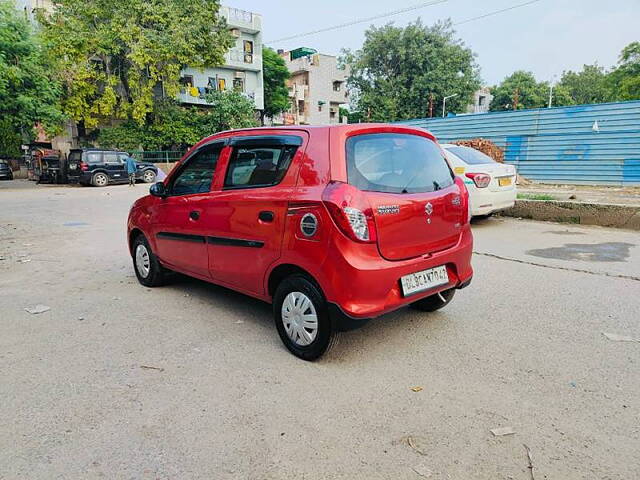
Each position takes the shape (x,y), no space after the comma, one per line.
(97,167)
(491,185)
(333,225)
(5,170)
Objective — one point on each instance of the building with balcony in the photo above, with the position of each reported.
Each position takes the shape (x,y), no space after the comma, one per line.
(317,88)
(242,69)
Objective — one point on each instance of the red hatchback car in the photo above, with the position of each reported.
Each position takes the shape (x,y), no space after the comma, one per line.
(333,225)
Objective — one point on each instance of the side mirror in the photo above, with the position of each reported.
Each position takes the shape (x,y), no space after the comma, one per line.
(158,190)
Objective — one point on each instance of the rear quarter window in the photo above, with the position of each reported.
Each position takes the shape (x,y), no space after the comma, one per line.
(396,163)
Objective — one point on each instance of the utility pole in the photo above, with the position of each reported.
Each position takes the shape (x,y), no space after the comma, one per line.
(444,103)
(516,95)
(551,91)
(431,105)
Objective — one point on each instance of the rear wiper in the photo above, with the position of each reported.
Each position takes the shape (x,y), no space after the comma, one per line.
(436,186)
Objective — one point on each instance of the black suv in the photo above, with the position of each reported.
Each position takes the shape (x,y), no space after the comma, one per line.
(97,167)
(5,170)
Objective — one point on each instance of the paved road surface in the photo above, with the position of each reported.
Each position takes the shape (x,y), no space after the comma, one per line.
(522,347)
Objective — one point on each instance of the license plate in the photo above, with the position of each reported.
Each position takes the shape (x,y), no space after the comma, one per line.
(424,280)
(504,181)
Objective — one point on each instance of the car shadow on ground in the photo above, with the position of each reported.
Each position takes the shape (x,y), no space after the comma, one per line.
(398,328)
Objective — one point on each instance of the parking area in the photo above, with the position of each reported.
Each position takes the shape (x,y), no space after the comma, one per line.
(190,380)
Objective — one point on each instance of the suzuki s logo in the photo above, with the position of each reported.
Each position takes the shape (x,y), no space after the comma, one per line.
(428,208)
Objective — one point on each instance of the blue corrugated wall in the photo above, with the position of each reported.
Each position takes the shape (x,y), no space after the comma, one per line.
(557,145)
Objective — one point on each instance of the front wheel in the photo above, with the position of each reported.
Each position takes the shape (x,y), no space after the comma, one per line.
(434,302)
(302,318)
(149,176)
(146,265)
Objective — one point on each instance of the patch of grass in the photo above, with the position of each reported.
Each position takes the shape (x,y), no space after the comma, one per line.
(535,196)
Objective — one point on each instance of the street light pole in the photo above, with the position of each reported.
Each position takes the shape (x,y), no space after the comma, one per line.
(444,103)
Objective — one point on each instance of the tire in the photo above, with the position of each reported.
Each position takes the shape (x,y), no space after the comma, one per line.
(100,180)
(435,302)
(149,176)
(297,295)
(146,265)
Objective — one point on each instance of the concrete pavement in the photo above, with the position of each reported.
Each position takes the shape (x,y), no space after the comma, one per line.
(523,347)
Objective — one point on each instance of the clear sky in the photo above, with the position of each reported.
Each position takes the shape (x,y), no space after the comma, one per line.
(545,37)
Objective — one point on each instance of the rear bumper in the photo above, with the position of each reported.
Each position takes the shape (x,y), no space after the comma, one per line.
(363,285)
(484,203)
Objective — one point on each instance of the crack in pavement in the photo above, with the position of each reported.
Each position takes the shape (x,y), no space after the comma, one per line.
(568,269)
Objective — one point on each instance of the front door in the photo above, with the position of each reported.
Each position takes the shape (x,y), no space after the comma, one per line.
(247,217)
(179,227)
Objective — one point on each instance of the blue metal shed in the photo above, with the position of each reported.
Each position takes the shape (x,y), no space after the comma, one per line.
(583,144)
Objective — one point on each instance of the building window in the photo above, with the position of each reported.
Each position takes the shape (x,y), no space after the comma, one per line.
(186,81)
(248,51)
(300,106)
(337,85)
(222,84)
(481,100)
(238,84)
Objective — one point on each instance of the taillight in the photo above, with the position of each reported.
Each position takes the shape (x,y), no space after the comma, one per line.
(350,211)
(83,166)
(482,180)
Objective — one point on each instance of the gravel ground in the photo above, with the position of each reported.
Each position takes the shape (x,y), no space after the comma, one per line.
(191,380)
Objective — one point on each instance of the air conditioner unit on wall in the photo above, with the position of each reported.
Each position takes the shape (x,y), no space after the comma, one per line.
(238,75)
(235,32)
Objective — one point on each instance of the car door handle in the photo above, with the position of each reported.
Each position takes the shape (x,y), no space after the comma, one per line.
(266,216)
(194,215)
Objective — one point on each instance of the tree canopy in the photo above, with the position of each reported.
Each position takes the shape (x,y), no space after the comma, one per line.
(111,55)
(28,94)
(625,79)
(276,93)
(398,69)
(171,126)
(521,90)
(589,85)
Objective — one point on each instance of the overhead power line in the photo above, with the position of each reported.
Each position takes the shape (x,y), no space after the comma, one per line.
(497,12)
(361,20)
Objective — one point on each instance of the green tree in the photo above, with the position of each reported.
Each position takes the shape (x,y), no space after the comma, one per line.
(624,80)
(111,55)
(276,93)
(397,69)
(171,126)
(586,86)
(521,89)
(28,94)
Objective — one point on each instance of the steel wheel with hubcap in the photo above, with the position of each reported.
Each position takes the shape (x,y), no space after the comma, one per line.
(147,267)
(299,318)
(302,317)
(100,180)
(149,176)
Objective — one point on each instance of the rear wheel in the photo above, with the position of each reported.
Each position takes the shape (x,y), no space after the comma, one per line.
(146,265)
(149,176)
(100,180)
(302,318)
(434,302)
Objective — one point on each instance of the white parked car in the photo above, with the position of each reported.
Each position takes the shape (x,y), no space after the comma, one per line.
(491,185)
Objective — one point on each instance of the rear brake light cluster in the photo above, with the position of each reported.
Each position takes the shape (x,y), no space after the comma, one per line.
(482,180)
(350,211)
(83,166)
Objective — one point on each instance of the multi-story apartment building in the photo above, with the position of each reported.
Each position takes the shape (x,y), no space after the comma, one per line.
(317,87)
(242,70)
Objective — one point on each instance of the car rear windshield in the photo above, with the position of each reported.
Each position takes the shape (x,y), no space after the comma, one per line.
(396,163)
(470,156)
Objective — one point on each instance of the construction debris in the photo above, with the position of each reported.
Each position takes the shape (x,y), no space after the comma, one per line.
(500,432)
(485,146)
(614,337)
(37,309)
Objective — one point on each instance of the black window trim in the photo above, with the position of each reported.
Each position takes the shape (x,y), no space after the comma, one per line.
(218,143)
(266,142)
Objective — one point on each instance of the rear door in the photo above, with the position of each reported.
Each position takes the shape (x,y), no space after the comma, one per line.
(246,218)
(417,206)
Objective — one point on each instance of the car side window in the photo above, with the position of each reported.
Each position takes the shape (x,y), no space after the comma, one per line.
(93,157)
(197,174)
(111,158)
(122,158)
(258,166)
